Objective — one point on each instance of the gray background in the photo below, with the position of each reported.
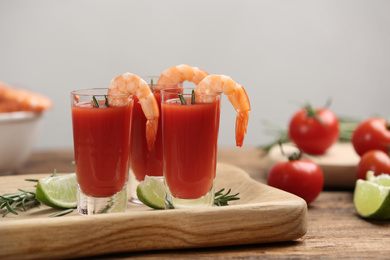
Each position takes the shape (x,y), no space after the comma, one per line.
(283,52)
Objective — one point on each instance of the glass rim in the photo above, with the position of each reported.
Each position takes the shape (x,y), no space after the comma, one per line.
(84,92)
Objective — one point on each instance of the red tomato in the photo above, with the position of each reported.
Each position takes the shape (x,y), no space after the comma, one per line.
(314,131)
(371,134)
(374,160)
(301,177)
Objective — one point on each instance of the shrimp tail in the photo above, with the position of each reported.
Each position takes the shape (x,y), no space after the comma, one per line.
(237,97)
(151,132)
(241,127)
(131,84)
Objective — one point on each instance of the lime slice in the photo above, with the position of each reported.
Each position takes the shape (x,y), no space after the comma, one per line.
(371,198)
(151,192)
(383,179)
(58,191)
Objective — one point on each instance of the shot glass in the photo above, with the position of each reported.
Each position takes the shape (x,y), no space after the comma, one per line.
(142,161)
(190,125)
(101,136)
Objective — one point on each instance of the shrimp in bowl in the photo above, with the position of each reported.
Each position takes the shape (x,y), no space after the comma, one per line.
(14,99)
(21,118)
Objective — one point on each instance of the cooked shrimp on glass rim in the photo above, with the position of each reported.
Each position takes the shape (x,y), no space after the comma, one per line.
(181,73)
(237,97)
(13,99)
(131,84)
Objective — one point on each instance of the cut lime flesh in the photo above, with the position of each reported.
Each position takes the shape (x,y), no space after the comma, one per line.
(383,179)
(151,192)
(372,197)
(58,191)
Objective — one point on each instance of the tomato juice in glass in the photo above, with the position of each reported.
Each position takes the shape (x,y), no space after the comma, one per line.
(101,138)
(142,161)
(190,140)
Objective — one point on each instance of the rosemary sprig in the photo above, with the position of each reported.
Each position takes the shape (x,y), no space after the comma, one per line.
(33,180)
(221,199)
(21,200)
(182,99)
(106,100)
(95,102)
(193,97)
(62,213)
(11,201)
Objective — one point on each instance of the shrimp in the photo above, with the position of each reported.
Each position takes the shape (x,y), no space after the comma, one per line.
(237,97)
(131,84)
(181,73)
(13,99)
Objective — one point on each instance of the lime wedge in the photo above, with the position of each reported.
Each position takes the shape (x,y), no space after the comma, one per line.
(371,198)
(383,179)
(151,192)
(58,191)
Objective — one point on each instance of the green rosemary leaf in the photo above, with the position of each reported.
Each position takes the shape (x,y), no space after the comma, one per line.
(6,197)
(33,180)
(35,203)
(182,99)
(62,213)
(17,200)
(193,97)
(10,209)
(23,204)
(27,191)
(221,199)
(95,102)
(10,201)
(105,100)
(218,193)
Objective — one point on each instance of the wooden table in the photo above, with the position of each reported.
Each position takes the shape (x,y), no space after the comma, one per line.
(334,229)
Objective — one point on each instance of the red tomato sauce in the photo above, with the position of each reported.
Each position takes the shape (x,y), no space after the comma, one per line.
(142,161)
(102,147)
(190,147)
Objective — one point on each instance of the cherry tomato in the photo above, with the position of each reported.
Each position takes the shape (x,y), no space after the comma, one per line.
(314,131)
(374,160)
(371,134)
(299,176)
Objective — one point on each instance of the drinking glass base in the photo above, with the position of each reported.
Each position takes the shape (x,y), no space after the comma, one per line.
(87,205)
(133,183)
(171,202)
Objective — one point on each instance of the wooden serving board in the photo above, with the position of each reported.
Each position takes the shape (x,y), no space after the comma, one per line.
(338,163)
(263,214)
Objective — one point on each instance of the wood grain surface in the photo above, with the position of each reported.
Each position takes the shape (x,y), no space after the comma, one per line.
(262,215)
(334,230)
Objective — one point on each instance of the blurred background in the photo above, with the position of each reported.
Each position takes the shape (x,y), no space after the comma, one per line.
(283,52)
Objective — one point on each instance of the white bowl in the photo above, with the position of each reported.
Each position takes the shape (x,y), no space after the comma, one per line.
(18,133)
